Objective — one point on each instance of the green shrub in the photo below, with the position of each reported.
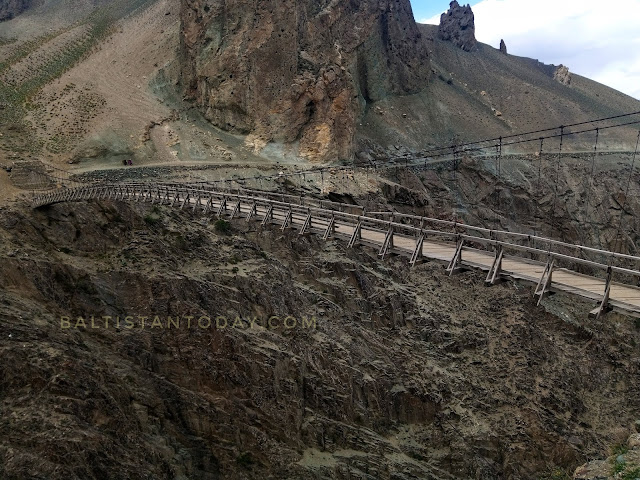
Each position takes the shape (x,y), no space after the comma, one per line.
(245,460)
(222,226)
(619,449)
(151,219)
(618,467)
(556,474)
(631,474)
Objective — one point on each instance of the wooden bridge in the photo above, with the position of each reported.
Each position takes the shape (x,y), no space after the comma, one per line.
(608,278)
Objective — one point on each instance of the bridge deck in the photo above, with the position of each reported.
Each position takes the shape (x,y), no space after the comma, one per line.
(624,297)
(389,237)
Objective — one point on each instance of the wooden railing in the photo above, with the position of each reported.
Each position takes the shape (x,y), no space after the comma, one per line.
(409,235)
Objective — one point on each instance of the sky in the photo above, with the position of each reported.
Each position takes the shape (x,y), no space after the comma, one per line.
(596,39)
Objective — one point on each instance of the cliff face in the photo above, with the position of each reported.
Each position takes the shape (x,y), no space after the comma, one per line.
(409,373)
(12,8)
(299,72)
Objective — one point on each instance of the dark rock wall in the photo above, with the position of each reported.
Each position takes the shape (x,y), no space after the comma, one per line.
(12,8)
(299,71)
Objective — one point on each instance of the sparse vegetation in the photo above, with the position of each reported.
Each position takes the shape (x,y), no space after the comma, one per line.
(222,226)
(152,219)
(556,474)
(619,449)
(245,460)
(632,474)
(618,467)
(36,63)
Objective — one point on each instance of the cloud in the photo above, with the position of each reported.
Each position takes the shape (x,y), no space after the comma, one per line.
(593,38)
(435,20)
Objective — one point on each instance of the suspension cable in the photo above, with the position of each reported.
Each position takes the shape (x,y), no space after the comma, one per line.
(626,194)
(555,196)
(538,190)
(590,182)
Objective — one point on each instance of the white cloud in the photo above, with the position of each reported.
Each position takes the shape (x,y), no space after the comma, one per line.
(597,39)
(435,20)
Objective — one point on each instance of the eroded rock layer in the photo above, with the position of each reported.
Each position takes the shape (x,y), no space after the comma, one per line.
(299,72)
(13,8)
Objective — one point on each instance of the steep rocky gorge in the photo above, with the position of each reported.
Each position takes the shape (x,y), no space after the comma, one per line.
(409,374)
(299,73)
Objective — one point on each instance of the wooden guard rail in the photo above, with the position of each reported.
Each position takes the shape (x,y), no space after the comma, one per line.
(502,254)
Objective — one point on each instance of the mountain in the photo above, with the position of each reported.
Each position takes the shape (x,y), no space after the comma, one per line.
(277,81)
(299,72)
(484,93)
(307,82)
(409,372)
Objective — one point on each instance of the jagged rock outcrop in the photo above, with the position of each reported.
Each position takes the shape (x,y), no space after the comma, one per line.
(562,75)
(503,47)
(12,8)
(624,463)
(299,72)
(457,25)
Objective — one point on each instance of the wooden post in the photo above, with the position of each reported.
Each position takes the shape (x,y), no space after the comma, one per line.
(185,201)
(176,198)
(208,206)
(287,220)
(268,217)
(496,267)
(331,227)
(252,212)
(454,264)
(223,207)
(307,225)
(357,234)
(236,210)
(387,244)
(604,305)
(197,204)
(417,253)
(545,280)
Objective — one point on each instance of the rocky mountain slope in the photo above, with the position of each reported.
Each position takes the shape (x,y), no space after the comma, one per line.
(299,72)
(623,463)
(409,374)
(485,93)
(12,8)
(387,88)
(304,84)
